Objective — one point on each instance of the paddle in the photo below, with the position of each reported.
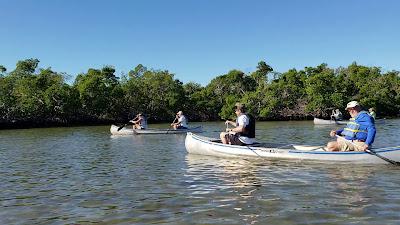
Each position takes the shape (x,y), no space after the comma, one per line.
(119,128)
(369,151)
(372,152)
(171,125)
(227,124)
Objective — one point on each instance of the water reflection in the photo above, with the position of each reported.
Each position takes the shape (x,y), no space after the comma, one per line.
(83,175)
(230,184)
(261,191)
(349,185)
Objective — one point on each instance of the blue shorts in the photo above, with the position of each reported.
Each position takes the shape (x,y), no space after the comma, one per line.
(181,127)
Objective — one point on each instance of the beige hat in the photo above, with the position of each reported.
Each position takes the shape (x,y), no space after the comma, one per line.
(352,104)
(239,105)
(179,113)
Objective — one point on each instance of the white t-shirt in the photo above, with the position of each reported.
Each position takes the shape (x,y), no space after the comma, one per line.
(183,121)
(244,120)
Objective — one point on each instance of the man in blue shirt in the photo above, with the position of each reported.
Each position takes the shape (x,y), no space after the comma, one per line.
(358,135)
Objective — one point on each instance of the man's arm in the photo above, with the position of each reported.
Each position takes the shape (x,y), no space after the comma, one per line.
(237,129)
(371,132)
(230,122)
(242,120)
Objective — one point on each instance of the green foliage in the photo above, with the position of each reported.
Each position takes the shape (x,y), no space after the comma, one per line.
(26,67)
(227,110)
(155,93)
(138,71)
(382,93)
(319,88)
(260,75)
(193,103)
(162,93)
(8,103)
(222,89)
(96,89)
(39,95)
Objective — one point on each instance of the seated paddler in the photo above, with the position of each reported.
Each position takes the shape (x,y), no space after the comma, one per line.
(182,121)
(140,122)
(336,115)
(359,133)
(244,128)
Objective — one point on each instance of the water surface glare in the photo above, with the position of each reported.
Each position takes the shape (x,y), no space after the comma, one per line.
(83,175)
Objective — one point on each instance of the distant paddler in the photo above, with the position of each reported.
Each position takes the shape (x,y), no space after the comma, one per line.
(139,122)
(336,115)
(182,121)
(372,112)
(359,133)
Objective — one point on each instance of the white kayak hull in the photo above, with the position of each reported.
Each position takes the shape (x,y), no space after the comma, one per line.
(129,131)
(318,121)
(196,144)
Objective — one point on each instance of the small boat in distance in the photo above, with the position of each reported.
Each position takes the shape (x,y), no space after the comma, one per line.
(130,131)
(196,144)
(318,121)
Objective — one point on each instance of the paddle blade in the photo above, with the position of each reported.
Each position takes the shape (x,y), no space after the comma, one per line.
(119,128)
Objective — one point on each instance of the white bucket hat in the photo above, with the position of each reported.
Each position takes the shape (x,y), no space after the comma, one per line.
(352,104)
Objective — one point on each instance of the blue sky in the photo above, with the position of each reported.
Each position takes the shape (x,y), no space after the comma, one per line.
(199,40)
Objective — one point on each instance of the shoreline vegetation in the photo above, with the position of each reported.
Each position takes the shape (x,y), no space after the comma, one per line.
(37,97)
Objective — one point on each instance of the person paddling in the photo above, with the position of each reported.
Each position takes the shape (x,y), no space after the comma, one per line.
(182,121)
(359,133)
(336,115)
(372,112)
(140,123)
(243,132)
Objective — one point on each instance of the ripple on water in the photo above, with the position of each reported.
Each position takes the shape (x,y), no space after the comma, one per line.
(83,175)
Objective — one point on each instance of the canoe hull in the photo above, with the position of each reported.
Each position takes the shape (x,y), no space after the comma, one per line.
(130,131)
(123,131)
(196,144)
(198,129)
(318,121)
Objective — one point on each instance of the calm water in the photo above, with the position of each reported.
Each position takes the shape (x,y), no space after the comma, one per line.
(84,175)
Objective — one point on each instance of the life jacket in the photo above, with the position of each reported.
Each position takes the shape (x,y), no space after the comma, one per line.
(250,129)
(352,127)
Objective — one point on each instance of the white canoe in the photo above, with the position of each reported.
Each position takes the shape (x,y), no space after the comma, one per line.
(318,121)
(198,129)
(129,131)
(197,144)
